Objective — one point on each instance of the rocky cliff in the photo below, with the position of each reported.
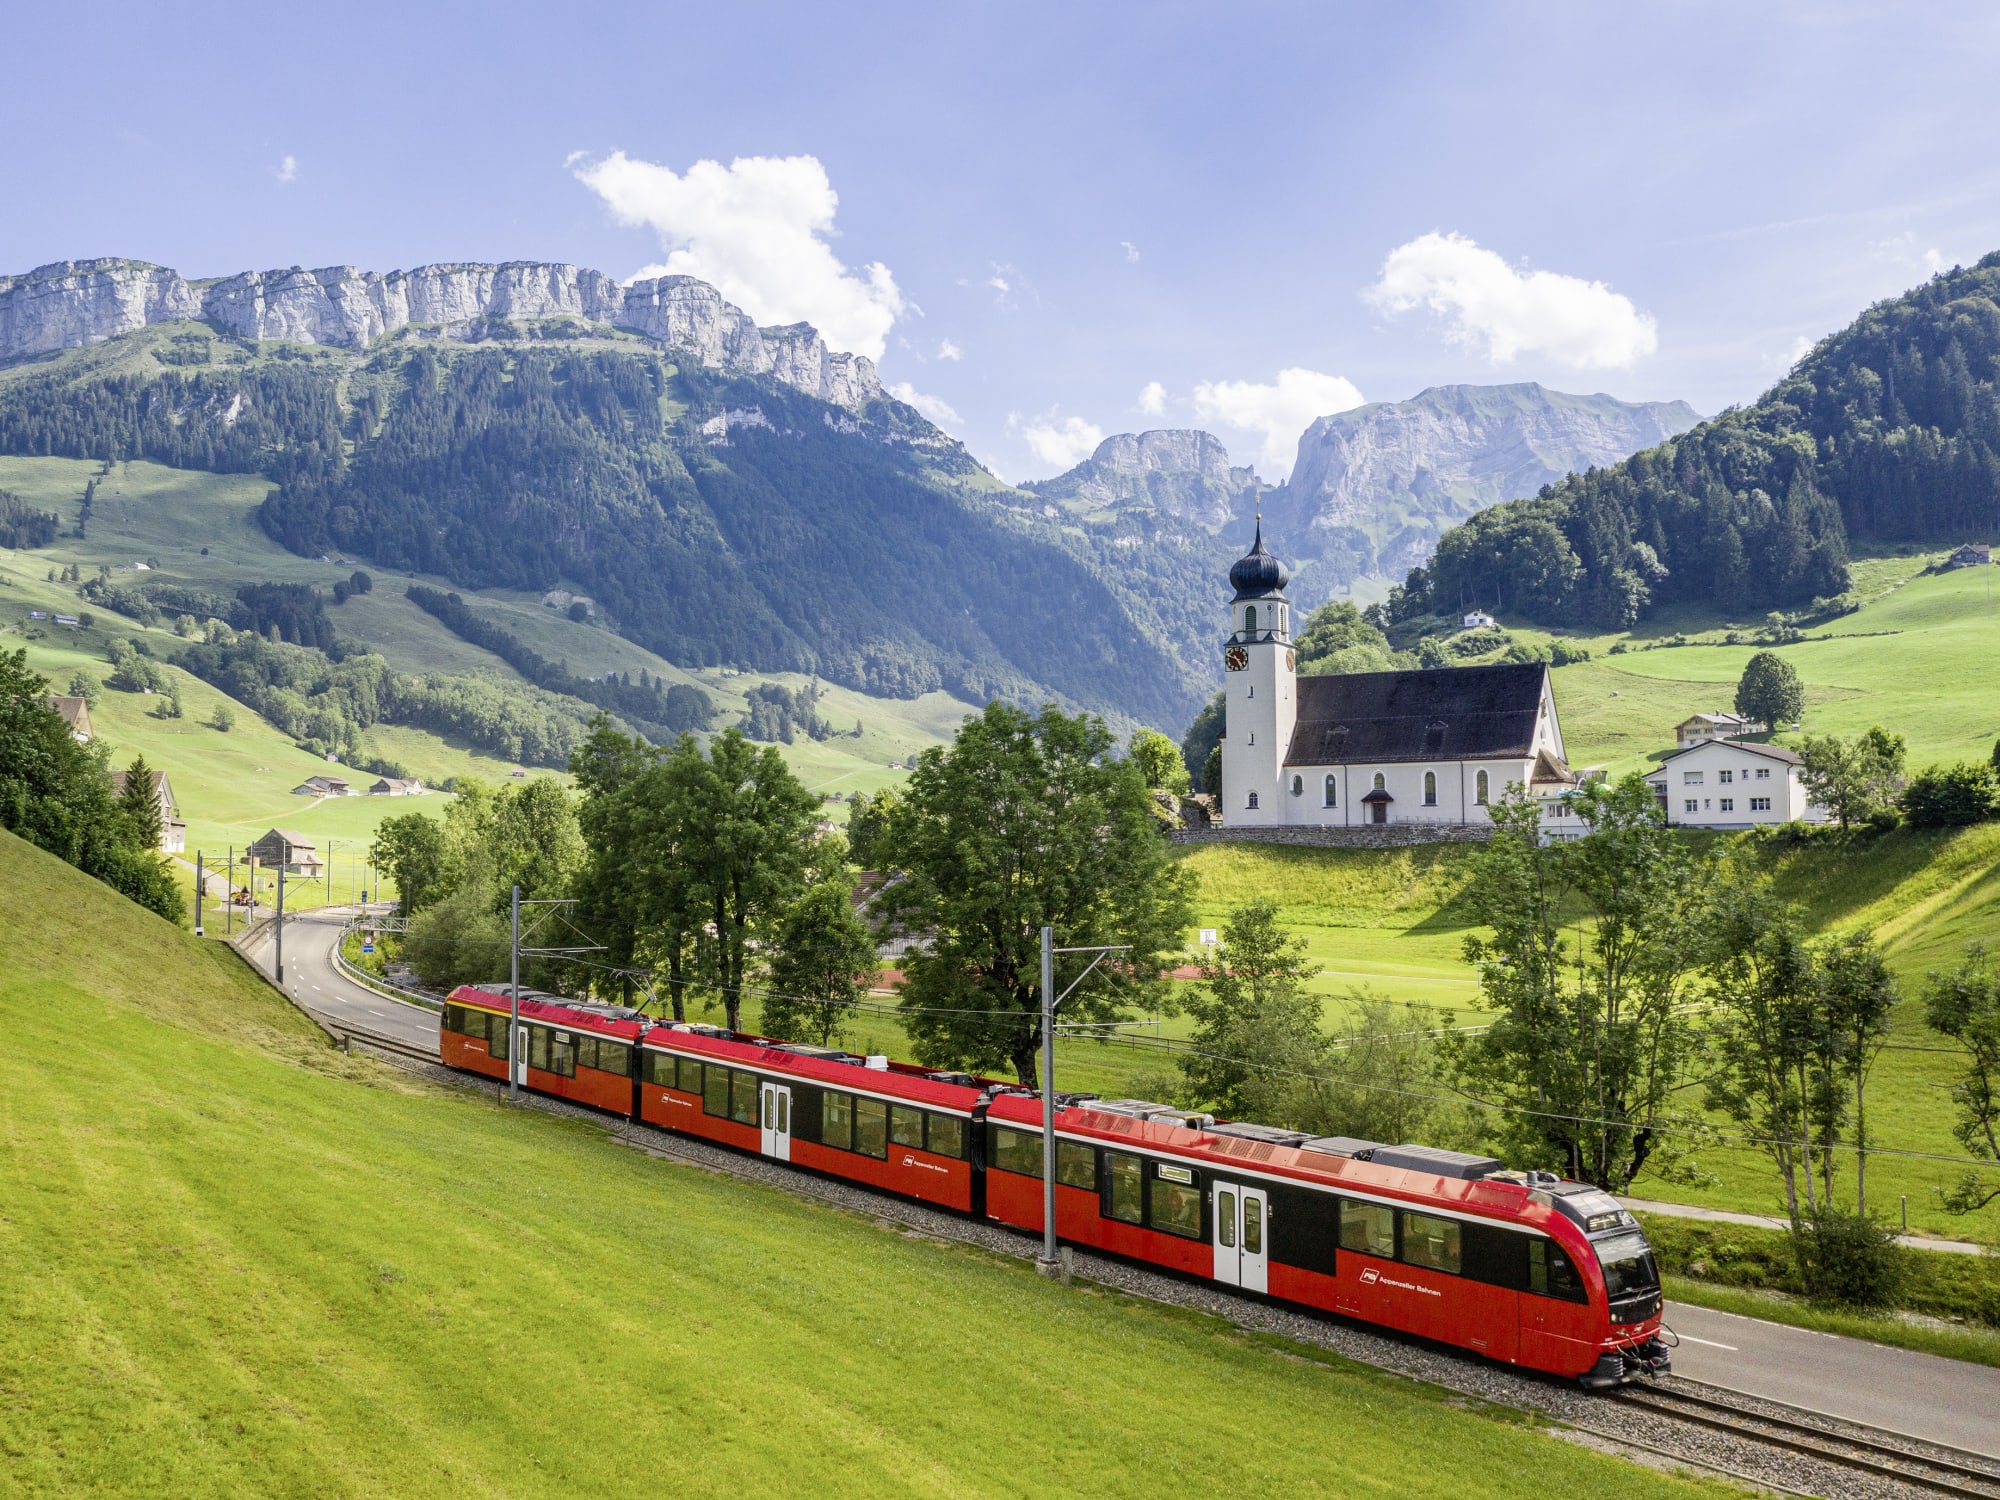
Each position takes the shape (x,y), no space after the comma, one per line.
(1374,487)
(1173,478)
(72,303)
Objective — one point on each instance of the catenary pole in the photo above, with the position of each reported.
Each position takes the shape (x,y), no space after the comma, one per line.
(1048,1100)
(198,877)
(281,921)
(514,1004)
(229,897)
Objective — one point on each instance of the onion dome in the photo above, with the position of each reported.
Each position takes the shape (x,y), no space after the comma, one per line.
(1257,572)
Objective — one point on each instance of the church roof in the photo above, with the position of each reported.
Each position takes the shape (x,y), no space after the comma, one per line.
(1257,573)
(1437,713)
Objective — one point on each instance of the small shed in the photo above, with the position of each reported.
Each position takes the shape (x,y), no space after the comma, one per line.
(284,846)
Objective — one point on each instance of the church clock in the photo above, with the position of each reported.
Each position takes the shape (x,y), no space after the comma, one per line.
(1236,658)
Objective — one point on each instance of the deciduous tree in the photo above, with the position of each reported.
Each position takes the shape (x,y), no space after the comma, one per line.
(822,962)
(1965,1006)
(1771,691)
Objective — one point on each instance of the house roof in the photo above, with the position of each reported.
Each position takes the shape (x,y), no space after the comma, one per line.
(293,840)
(158,778)
(1768,752)
(1436,713)
(1719,717)
(74,712)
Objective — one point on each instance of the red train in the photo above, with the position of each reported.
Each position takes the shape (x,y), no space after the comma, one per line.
(1520,1267)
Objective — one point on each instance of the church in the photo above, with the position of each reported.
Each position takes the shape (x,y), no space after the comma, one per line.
(1437,745)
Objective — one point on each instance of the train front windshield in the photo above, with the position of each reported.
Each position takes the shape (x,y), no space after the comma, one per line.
(1629,1269)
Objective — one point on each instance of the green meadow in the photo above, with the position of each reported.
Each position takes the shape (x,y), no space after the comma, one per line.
(240,1262)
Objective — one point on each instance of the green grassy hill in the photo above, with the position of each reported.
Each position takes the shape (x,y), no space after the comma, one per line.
(239,1262)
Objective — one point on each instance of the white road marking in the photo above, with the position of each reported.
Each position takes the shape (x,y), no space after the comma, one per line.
(1688,1338)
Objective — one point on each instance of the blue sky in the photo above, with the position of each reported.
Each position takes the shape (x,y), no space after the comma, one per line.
(1081,219)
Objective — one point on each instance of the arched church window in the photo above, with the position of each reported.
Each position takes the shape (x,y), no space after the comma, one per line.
(1332,794)
(1430,789)
(1249,619)
(1381,782)
(1252,802)
(1479,785)
(1298,785)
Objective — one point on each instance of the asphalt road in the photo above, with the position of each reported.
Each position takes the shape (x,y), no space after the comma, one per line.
(313,981)
(1920,1395)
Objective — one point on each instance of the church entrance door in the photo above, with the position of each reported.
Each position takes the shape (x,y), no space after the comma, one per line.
(1379,812)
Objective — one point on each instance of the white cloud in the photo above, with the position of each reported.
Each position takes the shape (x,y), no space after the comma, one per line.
(935,408)
(1152,398)
(757,231)
(1062,441)
(288,169)
(948,350)
(1503,311)
(1278,412)
(1131,251)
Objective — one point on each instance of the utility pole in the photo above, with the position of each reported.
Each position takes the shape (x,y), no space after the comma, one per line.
(1046,1263)
(514,1004)
(197,893)
(229,897)
(281,921)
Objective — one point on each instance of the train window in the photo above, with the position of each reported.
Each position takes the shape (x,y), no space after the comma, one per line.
(586,1052)
(614,1057)
(1017,1151)
(1225,1218)
(659,1069)
(743,1098)
(538,1047)
(1550,1273)
(1124,1187)
(1498,1257)
(1368,1227)
(715,1092)
(1430,1242)
(871,1128)
(906,1126)
(562,1054)
(1253,1224)
(1304,1227)
(454,1019)
(836,1121)
(496,1045)
(1175,1207)
(690,1075)
(1076,1164)
(947,1136)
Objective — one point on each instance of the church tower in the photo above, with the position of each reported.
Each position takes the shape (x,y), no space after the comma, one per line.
(1261,690)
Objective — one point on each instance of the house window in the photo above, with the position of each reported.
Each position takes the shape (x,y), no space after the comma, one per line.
(1430,789)
(1252,802)
(1725,777)
(1332,795)
(1479,785)
(1381,782)
(1691,778)
(1689,806)
(1760,804)
(1763,774)
(1729,804)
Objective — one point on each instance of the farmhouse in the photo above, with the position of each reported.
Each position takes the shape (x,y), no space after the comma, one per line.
(1716,726)
(1430,746)
(173,832)
(397,786)
(1971,555)
(1728,784)
(324,786)
(75,712)
(1478,619)
(296,852)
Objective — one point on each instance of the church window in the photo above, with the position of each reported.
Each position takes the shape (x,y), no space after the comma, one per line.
(1430,789)
(1381,782)
(1332,795)
(1479,788)
(1249,619)
(1253,691)
(1252,803)
(1298,785)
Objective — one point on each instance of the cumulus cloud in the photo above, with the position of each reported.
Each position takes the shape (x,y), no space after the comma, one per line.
(288,169)
(1152,398)
(1278,412)
(1131,251)
(948,350)
(757,230)
(1062,441)
(1504,311)
(935,408)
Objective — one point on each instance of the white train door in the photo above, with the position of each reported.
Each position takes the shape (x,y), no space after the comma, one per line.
(1242,1236)
(774,1119)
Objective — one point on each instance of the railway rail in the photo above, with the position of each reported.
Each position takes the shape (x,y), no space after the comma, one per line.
(1914,1462)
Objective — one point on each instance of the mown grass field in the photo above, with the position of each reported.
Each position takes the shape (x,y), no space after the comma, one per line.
(240,1263)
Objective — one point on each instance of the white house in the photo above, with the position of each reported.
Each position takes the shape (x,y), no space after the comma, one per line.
(1716,726)
(1729,784)
(1478,619)
(1429,746)
(173,832)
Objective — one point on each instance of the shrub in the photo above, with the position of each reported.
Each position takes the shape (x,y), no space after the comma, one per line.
(1851,1261)
(1952,796)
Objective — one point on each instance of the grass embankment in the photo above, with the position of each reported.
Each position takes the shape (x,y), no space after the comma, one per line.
(241,1263)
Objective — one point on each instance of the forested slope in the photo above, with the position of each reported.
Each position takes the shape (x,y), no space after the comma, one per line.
(1887,432)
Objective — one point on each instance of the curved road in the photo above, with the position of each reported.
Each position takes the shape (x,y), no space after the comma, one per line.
(1941,1400)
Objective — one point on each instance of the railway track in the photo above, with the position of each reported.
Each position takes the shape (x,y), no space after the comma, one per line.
(1939,1470)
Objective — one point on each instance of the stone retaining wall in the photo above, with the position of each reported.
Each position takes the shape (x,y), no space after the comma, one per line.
(1366,836)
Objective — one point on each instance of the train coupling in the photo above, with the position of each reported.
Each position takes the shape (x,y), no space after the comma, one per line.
(1616,1367)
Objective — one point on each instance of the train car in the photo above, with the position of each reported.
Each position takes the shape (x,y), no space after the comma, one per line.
(886,1125)
(1525,1269)
(564,1048)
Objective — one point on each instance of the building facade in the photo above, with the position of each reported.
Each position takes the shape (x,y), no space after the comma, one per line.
(1719,725)
(1437,745)
(173,831)
(1732,785)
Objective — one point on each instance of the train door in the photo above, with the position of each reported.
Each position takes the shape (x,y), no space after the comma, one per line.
(774,1120)
(1242,1238)
(519,1057)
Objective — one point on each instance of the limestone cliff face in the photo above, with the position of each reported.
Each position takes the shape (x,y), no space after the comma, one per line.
(1177,476)
(74,303)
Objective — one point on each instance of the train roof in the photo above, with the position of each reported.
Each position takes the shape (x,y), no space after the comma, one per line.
(575,1015)
(826,1065)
